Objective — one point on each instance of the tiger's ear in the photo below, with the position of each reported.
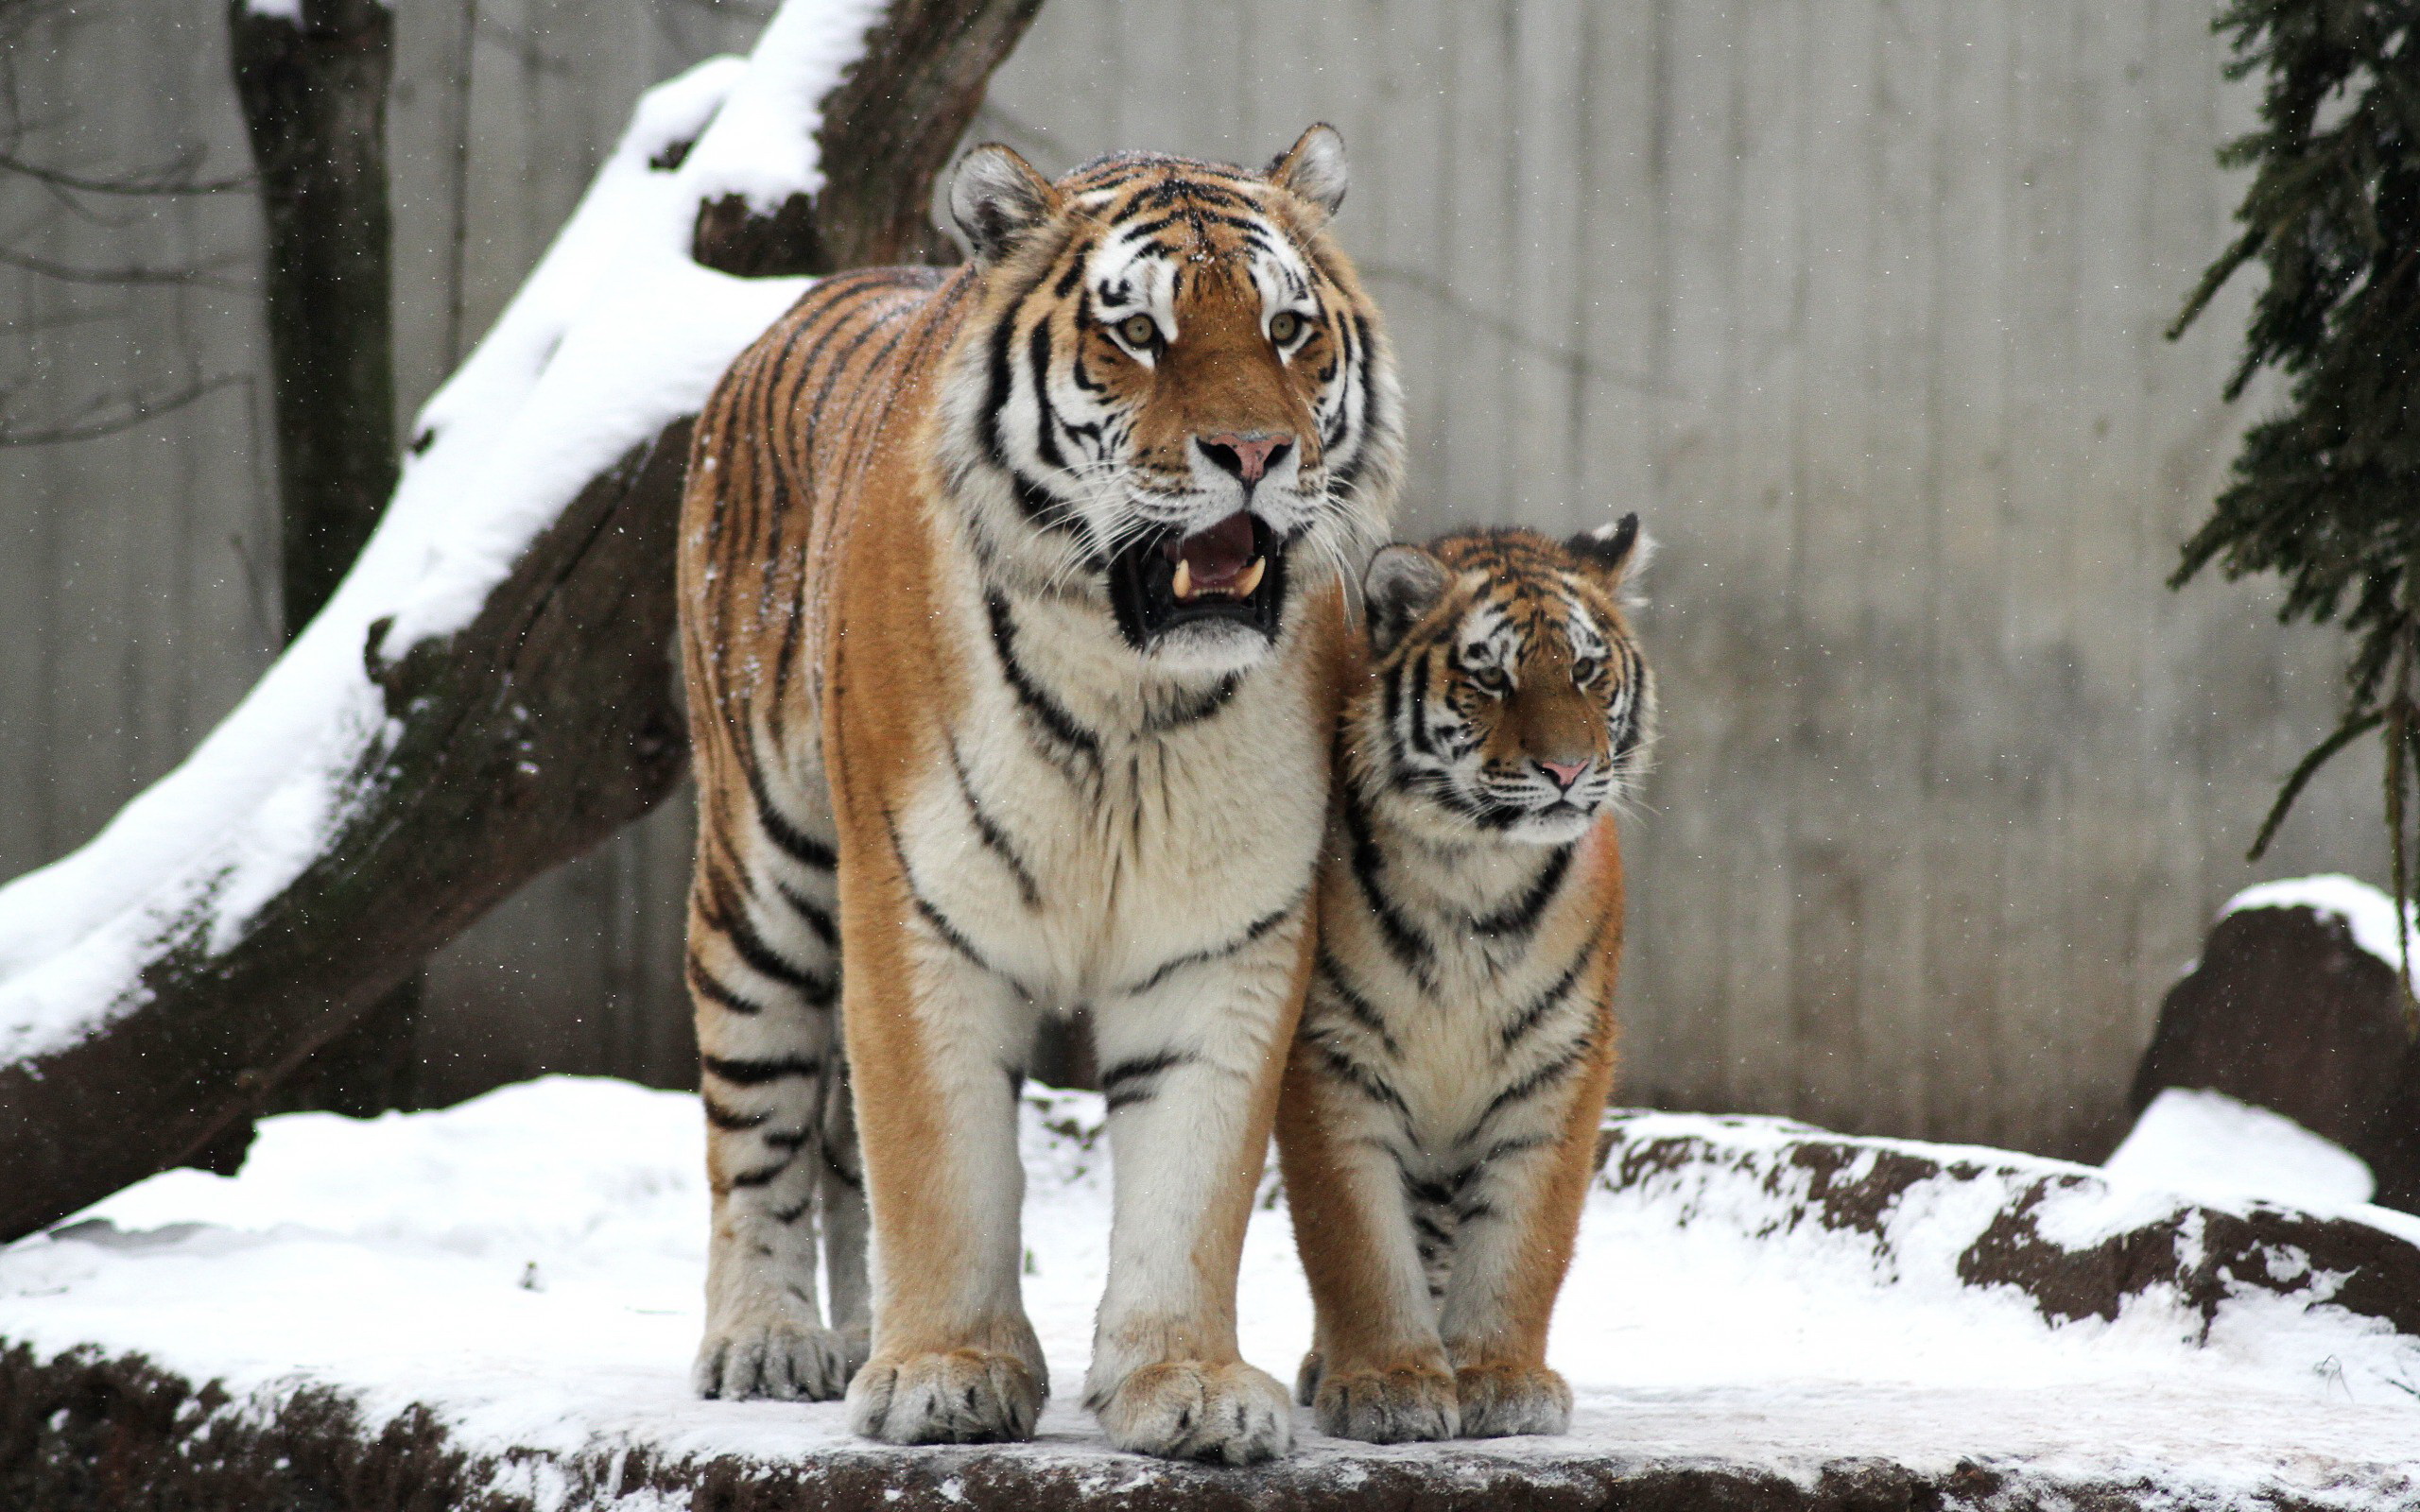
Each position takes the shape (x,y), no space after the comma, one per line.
(1313,169)
(1403,584)
(996,198)
(1616,554)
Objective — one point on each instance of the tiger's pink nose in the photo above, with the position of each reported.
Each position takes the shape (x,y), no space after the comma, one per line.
(1245,456)
(1564,773)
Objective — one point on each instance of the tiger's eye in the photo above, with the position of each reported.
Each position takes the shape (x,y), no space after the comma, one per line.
(1282,326)
(1138,329)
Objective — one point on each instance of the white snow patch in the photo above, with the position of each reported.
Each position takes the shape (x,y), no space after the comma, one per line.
(2204,1142)
(1708,1317)
(615,335)
(2368,912)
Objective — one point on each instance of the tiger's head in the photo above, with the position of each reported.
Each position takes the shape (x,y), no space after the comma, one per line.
(1173,399)
(1508,695)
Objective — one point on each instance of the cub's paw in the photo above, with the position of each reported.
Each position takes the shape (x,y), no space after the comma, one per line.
(1396,1404)
(1307,1380)
(1498,1400)
(947,1396)
(779,1356)
(1227,1413)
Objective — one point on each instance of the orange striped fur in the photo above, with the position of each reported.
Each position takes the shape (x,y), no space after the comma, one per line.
(1458,1044)
(1005,596)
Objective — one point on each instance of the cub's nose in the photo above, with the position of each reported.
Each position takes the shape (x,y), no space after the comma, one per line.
(1247,456)
(1564,773)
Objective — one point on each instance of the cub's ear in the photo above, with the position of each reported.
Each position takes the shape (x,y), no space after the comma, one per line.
(996,198)
(1313,169)
(1616,553)
(1403,584)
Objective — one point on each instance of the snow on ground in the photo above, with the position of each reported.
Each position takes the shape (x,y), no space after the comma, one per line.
(2367,911)
(529,1264)
(615,335)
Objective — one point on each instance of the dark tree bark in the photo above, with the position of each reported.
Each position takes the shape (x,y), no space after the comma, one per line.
(315,103)
(525,739)
(314,96)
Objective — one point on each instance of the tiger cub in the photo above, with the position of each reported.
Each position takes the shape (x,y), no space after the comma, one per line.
(1441,1100)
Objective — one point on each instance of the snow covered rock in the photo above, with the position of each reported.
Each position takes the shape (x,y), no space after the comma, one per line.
(494,1306)
(2293,1008)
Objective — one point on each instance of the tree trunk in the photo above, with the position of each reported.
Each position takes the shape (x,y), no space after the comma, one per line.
(314,96)
(507,747)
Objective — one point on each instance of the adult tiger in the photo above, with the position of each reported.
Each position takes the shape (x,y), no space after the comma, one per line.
(1008,600)
(1454,1055)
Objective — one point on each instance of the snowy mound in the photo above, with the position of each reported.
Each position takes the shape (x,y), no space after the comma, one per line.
(500,1299)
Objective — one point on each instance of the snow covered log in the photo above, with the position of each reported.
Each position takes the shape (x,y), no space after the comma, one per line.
(489,691)
(494,1306)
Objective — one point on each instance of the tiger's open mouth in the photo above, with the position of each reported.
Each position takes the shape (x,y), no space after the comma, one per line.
(1232,571)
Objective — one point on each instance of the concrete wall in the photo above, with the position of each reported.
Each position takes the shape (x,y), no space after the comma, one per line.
(1858,303)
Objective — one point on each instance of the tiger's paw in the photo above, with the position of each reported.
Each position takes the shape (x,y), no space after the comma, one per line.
(776,1355)
(1227,1413)
(1390,1404)
(1499,1401)
(947,1396)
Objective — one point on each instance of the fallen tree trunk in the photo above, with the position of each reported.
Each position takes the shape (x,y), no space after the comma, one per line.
(489,692)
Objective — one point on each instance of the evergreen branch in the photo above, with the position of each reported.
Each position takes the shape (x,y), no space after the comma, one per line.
(2347,732)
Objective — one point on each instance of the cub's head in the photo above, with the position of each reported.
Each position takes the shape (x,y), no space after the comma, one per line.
(1173,399)
(1508,695)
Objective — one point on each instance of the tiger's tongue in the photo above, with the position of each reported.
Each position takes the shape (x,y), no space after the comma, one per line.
(1218,556)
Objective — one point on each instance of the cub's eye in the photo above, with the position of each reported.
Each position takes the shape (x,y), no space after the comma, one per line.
(1139,331)
(1490,679)
(1284,327)
(1583,671)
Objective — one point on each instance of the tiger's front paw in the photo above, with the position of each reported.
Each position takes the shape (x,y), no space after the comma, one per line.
(773,1355)
(1498,1400)
(1391,1404)
(947,1396)
(1228,1413)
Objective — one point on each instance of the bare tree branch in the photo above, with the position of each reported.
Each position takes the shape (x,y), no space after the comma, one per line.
(154,183)
(139,409)
(198,276)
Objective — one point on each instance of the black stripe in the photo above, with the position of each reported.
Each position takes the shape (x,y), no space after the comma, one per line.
(1252,932)
(1545,1003)
(757,1073)
(710,986)
(939,920)
(814,915)
(1404,940)
(836,1168)
(764,960)
(1356,1006)
(1046,438)
(1536,1082)
(989,833)
(1120,1083)
(1520,916)
(1055,721)
(998,382)
(763,1175)
(1360,1078)
(1351,472)
(1201,706)
(1075,274)
(1415,672)
(721,1117)
(796,843)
